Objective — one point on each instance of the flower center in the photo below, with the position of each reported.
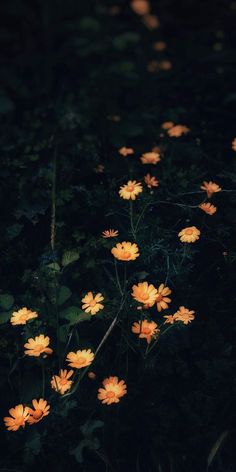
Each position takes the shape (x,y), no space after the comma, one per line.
(39,348)
(80,359)
(126,254)
(159,297)
(144,296)
(23,318)
(130,188)
(93,303)
(110,394)
(20,421)
(63,381)
(189,231)
(37,414)
(146,330)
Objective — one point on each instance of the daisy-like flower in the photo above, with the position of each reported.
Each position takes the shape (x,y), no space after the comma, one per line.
(150,158)
(169,319)
(208,208)
(112,390)
(21,316)
(234,144)
(125,251)
(92,304)
(61,383)
(130,190)
(210,188)
(159,46)
(184,315)
(80,359)
(167,125)
(161,299)
(110,233)
(145,329)
(140,7)
(144,293)
(177,131)
(189,234)
(37,346)
(126,151)
(151,21)
(39,410)
(19,415)
(151,181)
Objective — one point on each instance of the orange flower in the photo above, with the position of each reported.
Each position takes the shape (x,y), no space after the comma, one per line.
(184,315)
(144,293)
(165,65)
(167,125)
(130,190)
(210,188)
(151,21)
(189,235)
(125,251)
(91,375)
(19,415)
(125,151)
(145,329)
(110,233)
(37,346)
(113,390)
(80,359)
(21,316)
(208,208)
(92,304)
(150,158)
(151,181)
(140,7)
(177,131)
(170,319)
(234,144)
(162,300)
(41,409)
(61,382)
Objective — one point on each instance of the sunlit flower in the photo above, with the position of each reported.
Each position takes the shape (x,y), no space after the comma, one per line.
(41,409)
(145,329)
(169,319)
(91,375)
(165,65)
(177,131)
(21,316)
(234,144)
(19,415)
(161,299)
(144,293)
(184,315)
(91,304)
(208,208)
(110,233)
(150,158)
(189,235)
(130,190)
(61,382)
(126,151)
(99,169)
(210,188)
(125,251)
(151,21)
(37,346)
(151,181)
(167,125)
(80,359)
(159,46)
(140,7)
(112,390)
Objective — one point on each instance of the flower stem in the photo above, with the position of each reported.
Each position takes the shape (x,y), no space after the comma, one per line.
(131,219)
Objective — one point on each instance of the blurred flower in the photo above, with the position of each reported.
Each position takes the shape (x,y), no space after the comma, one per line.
(210,188)
(144,293)
(161,299)
(189,235)
(151,21)
(167,125)
(61,382)
(125,251)
(114,118)
(91,375)
(125,151)
(184,315)
(80,359)
(41,409)
(19,415)
(170,319)
(151,181)
(130,190)
(37,346)
(114,10)
(159,46)
(110,233)
(165,65)
(21,316)
(177,131)
(140,7)
(208,208)
(156,149)
(145,329)
(99,169)
(153,66)
(234,144)
(112,390)
(92,304)
(150,158)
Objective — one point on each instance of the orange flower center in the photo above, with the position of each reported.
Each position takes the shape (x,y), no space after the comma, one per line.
(126,254)
(37,414)
(146,330)
(110,394)
(64,381)
(80,359)
(20,421)
(93,303)
(189,231)
(159,297)
(39,348)
(144,296)
(130,188)
(23,318)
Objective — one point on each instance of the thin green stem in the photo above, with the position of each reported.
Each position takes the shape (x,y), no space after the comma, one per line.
(118,278)
(43,378)
(132,219)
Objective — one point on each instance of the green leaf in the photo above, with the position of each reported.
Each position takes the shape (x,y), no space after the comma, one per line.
(64,294)
(69,257)
(14,230)
(5,316)
(74,315)
(54,266)
(6,301)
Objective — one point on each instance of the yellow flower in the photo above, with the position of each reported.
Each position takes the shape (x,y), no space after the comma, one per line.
(170,319)
(19,415)
(151,181)
(177,131)
(208,208)
(144,293)
(80,359)
(161,299)
(92,304)
(125,151)
(41,409)
(210,188)
(184,315)
(110,233)
(125,251)
(113,390)
(21,316)
(130,190)
(145,329)
(167,125)
(37,346)
(189,235)
(61,382)
(234,144)
(150,158)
